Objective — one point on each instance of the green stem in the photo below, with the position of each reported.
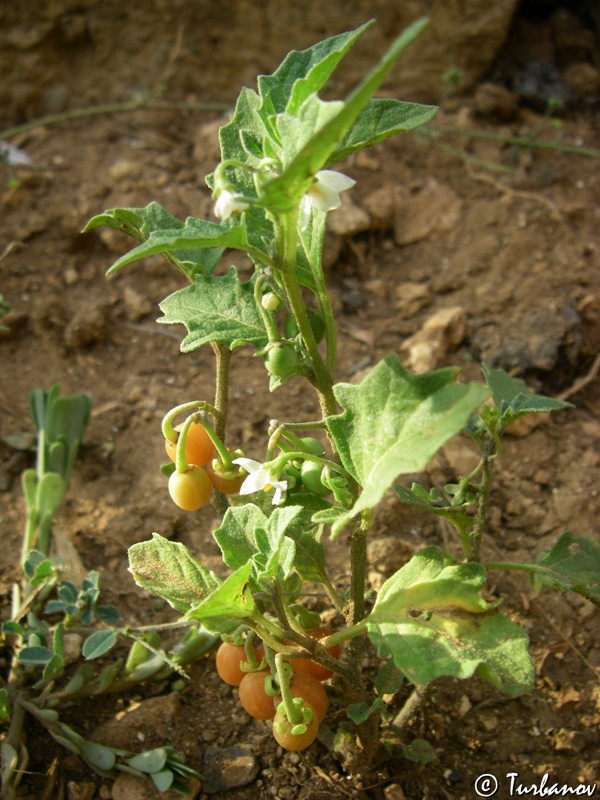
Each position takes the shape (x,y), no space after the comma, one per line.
(223,364)
(293,714)
(109,108)
(273,334)
(322,378)
(536,569)
(169,431)
(518,141)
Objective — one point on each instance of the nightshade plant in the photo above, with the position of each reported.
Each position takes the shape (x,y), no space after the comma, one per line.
(273,190)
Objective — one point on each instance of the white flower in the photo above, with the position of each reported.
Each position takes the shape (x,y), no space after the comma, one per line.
(228,203)
(259,479)
(324,194)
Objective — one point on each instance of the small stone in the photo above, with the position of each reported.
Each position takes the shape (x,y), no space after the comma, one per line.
(136,305)
(131,787)
(151,717)
(349,219)
(228,768)
(71,276)
(440,335)
(72,647)
(410,298)
(583,78)
(88,326)
(394,792)
(81,791)
(124,169)
(523,426)
(434,208)
(380,206)
(496,102)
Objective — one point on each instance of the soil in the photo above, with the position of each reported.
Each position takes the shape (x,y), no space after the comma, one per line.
(511,253)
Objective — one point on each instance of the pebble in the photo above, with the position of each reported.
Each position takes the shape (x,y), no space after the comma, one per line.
(411,297)
(124,169)
(80,791)
(349,219)
(130,787)
(394,792)
(228,768)
(434,208)
(136,305)
(88,326)
(440,335)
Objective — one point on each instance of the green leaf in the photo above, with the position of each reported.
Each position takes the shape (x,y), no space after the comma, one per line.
(242,139)
(359,712)
(420,751)
(228,605)
(513,397)
(140,223)
(394,422)
(247,534)
(236,536)
(195,234)
(149,761)
(98,755)
(216,309)
(163,780)
(99,643)
(304,72)
(35,655)
(283,193)
(381,118)
(168,569)
(435,502)
(430,617)
(573,564)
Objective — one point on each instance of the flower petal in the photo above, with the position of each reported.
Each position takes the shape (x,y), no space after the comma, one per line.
(336,181)
(249,464)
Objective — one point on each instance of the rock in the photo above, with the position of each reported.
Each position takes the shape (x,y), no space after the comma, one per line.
(434,207)
(349,219)
(81,791)
(136,305)
(440,335)
(228,768)
(411,298)
(394,792)
(464,37)
(538,340)
(380,206)
(496,102)
(128,729)
(583,78)
(130,787)
(88,326)
(124,169)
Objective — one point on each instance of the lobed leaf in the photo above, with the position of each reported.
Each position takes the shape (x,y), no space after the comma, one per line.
(215,309)
(573,564)
(513,397)
(168,569)
(283,193)
(432,620)
(228,605)
(194,234)
(394,422)
(303,72)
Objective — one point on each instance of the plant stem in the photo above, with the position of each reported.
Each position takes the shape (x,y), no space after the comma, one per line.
(322,378)
(109,108)
(519,141)
(223,359)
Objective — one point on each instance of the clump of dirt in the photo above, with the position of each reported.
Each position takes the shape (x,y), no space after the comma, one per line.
(487,246)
